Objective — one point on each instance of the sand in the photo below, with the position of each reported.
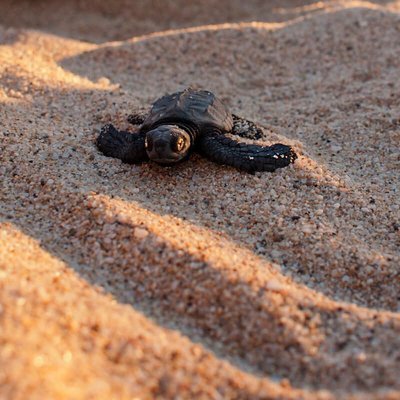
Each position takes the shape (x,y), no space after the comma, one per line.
(200,281)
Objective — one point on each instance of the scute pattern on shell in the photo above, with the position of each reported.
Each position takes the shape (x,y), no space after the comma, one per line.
(200,107)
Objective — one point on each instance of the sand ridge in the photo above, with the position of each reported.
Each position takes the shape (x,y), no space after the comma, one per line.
(201,281)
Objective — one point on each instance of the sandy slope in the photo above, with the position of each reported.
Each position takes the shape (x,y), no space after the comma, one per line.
(200,281)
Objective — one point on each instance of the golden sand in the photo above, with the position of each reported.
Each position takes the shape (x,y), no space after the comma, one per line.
(200,281)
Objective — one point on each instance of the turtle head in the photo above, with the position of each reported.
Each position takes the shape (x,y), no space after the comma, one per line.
(167,144)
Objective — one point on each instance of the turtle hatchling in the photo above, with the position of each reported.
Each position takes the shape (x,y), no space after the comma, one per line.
(193,120)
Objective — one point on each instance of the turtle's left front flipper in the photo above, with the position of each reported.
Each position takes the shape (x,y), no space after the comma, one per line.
(128,147)
(247,157)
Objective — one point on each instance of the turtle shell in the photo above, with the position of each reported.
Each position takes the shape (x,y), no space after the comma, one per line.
(199,107)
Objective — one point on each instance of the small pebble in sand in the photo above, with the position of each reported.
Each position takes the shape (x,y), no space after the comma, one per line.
(140,233)
(275,286)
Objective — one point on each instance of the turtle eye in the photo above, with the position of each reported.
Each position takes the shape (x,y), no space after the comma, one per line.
(179,144)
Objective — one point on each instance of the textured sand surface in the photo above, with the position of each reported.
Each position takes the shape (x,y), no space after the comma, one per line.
(199,281)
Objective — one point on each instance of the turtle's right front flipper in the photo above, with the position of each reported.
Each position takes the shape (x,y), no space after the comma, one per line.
(128,147)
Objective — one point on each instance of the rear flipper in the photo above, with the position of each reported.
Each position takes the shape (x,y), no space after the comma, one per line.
(243,156)
(245,128)
(126,146)
(137,118)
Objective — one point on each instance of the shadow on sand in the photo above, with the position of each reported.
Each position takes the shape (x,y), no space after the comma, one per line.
(88,217)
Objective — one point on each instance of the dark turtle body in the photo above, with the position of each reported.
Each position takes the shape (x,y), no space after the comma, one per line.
(193,120)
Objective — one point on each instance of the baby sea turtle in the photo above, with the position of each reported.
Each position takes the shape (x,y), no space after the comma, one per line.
(193,120)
